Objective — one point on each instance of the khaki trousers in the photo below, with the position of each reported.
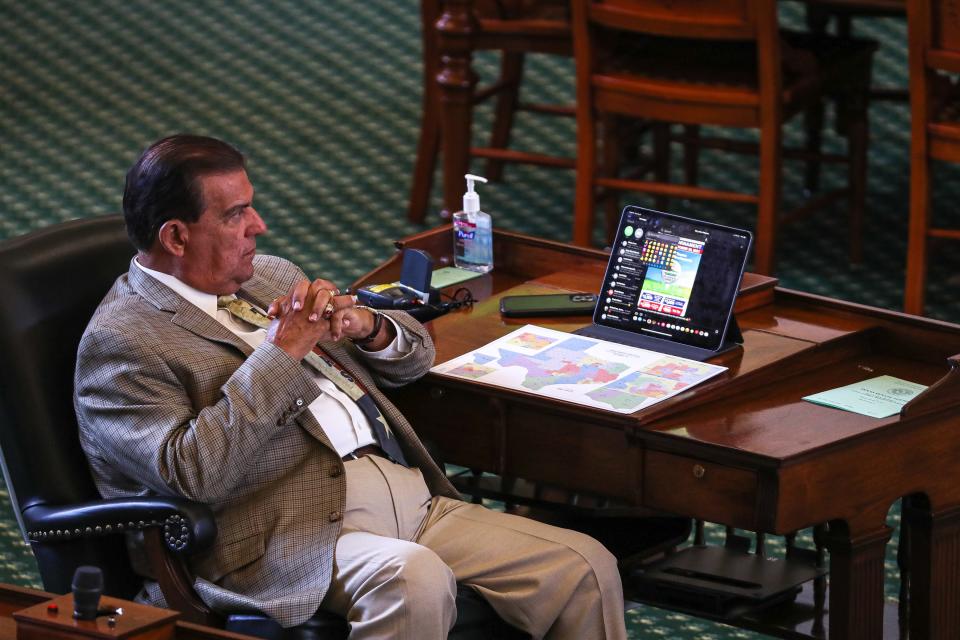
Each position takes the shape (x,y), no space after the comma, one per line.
(401,553)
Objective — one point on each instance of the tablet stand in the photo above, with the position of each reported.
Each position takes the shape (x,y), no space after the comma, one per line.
(731,340)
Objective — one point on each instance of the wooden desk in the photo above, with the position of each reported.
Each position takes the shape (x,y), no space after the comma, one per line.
(16,598)
(767,460)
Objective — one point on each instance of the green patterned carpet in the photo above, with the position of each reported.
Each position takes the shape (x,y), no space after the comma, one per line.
(324,97)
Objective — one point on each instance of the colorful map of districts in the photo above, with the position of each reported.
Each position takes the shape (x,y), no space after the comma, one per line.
(530,341)
(565,363)
(682,371)
(472,370)
(631,391)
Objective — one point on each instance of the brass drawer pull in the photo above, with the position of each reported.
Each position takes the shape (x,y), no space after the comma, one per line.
(436,393)
(698,471)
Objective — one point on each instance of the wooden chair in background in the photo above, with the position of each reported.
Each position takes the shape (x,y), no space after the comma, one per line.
(847,10)
(934,28)
(842,13)
(514,27)
(820,13)
(717,62)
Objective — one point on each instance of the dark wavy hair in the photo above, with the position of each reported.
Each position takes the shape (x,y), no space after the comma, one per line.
(165,183)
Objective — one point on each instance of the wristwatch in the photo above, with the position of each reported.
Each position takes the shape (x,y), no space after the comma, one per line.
(377,324)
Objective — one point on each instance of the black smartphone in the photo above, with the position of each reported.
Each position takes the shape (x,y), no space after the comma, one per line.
(551,304)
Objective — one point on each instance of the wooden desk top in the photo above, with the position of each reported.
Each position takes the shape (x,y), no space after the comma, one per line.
(795,344)
(751,418)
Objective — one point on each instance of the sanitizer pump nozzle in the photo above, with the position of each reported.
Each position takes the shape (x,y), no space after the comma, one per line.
(472,232)
(471,199)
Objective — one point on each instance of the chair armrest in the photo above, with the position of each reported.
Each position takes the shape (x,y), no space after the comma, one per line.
(188,527)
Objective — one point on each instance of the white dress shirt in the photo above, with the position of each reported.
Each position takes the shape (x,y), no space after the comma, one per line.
(339,416)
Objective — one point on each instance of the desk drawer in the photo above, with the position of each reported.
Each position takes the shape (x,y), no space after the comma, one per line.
(462,425)
(698,488)
(570,452)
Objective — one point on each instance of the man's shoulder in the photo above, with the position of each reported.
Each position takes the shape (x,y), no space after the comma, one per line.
(121,308)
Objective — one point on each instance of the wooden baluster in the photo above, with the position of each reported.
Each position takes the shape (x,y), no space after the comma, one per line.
(455,29)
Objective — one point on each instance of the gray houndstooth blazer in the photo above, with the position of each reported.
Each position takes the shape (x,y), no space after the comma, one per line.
(171,402)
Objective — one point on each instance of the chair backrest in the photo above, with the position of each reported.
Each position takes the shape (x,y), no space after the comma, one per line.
(701,19)
(936,23)
(655,21)
(934,45)
(51,281)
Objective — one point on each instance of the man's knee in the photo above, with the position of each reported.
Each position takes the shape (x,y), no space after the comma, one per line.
(595,558)
(426,581)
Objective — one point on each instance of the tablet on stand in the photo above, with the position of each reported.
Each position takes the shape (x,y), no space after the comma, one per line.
(671,284)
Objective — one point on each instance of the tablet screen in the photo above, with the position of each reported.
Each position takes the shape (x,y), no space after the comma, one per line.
(672,278)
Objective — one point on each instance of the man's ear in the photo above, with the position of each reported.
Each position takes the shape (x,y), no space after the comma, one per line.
(173,236)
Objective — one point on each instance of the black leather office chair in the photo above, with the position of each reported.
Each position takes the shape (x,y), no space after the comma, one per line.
(50,283)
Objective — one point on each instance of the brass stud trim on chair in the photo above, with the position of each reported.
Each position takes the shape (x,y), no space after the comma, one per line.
(176,540)
(176,531)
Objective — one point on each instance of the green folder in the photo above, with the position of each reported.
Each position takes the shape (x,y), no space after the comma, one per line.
(879,397)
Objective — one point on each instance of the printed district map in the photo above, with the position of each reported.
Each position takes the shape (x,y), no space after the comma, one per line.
(582,370)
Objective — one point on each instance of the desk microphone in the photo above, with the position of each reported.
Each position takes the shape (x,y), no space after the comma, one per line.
(87,587)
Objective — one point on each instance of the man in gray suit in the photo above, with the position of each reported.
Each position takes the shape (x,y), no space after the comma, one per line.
(230,378)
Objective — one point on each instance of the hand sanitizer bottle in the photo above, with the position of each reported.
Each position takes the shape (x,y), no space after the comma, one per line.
(472,232)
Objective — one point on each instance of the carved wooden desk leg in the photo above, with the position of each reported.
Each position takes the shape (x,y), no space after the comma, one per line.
(935,571)
(856,581)
(905,564)
(456,80)
(820,582)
